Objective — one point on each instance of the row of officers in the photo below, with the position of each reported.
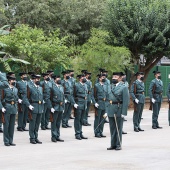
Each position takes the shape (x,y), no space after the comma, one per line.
(53,99)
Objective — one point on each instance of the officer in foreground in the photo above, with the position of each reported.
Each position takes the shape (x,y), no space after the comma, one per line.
(117,104)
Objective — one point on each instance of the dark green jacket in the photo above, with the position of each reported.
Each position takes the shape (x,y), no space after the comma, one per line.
(140,89)
(35,95)
(99,93)
(10,95)
(80,95)
(118,94)
(57,98)
(68,91)
(158,84)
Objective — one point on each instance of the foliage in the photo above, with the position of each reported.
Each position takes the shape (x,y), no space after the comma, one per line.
(96,53)
(143,26)
(34,46)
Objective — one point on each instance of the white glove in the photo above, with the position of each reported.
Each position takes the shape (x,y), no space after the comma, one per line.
(136,101)
(122,116)
(63,111)
(91,101)
(31,107)
(76,105)
(65,101)
(153,100)
(43,101)
(3,110)
(52,110)
(96,105)
(19,101)
(105,115)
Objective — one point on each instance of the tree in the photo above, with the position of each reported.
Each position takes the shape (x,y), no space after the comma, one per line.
(34,46)
(96,53)
(143,26)
(3,18)
(73,17)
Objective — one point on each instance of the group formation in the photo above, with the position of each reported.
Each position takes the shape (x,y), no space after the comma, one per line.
(38,99)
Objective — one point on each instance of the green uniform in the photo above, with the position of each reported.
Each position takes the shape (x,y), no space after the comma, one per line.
(57,102)
(80,95)
(137,92)
(100,93)
(22,108)
(117,103)
(46,86)
(9,102)
(157,95)
(68,93)
(168,95)
(89,98)
(3,84)
(35,98)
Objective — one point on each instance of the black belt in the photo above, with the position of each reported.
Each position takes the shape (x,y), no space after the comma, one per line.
(82,97)
(60,103)
(10,102)
(66,93)
(140,92)
(103,99)
(112,102)
(39,102)
(157,92)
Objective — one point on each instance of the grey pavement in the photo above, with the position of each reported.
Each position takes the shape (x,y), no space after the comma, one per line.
(148,150)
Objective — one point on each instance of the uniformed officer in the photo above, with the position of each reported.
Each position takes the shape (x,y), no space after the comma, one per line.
(3,84)
(46,86)
(22,108)
(89,97)
(69,100)
(35,103)
(99,99)
(138,96)
(57,108)
(80,96)
(155,94)
(9,110)
(117,104)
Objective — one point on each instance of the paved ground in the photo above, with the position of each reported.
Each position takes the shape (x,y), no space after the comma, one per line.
(143,150)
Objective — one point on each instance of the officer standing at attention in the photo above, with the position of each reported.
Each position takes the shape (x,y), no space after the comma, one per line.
(3,84)
(31,81)
(138,96)
(9,110)
(57,108)
(35,103)
(89,97)
(155,93)
(22,108)
(117,106)
(80,96)
(46,86)
(99,101)
(69,100)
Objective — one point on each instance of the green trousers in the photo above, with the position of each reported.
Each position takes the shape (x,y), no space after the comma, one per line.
(67,113)
(55,125)
(78,122)
(99,119)
(34,126)
(137,115)
(45,116)
(156,108)
(113,131)
(22,117)
(8,128)
(85,121)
